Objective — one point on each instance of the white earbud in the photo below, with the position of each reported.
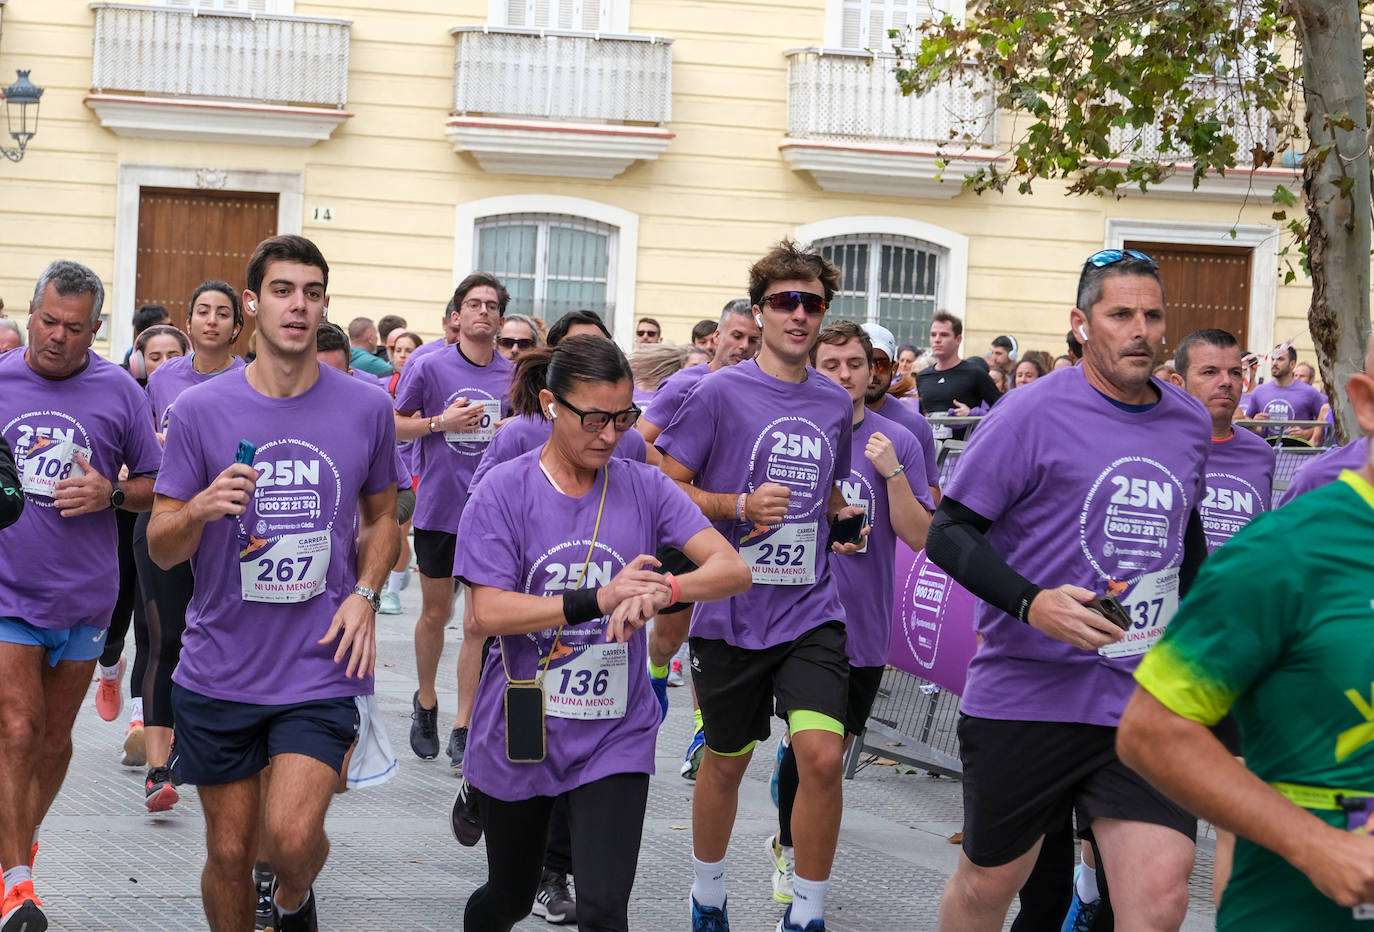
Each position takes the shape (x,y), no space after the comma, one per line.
(758,319)
(252,305)
(1082,334)
(553,415)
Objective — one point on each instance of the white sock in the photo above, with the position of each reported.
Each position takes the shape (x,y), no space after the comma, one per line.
(708,888)
(396,582)
(1086,884)
(292,912)
(136,709)
(108,673)
(16,875)
(808,900)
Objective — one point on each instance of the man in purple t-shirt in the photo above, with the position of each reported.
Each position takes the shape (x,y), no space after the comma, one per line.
(758,447)
(288,554)
(1039,521)
(1285,398)
(458,394)
(880,402)
(72,420)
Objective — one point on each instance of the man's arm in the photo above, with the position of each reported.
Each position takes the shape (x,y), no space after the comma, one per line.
(86,491)
(765,506)
(986,388)
(176,526)
(379,543)
(459,417)
(11,494)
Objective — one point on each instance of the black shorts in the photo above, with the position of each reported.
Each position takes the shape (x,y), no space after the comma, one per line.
(863,690)
(739,689)
(1228,733)
(1022,779)
(434,553)
(222,742)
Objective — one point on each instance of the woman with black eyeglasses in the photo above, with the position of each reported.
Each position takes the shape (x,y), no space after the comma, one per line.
(564,581)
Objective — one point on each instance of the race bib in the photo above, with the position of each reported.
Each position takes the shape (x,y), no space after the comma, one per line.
(486,428)
(46,465)
(594,684)
(784,556)
(1151,603)
(290,568)
(941,431)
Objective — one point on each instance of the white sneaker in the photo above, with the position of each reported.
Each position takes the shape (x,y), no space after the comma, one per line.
(781,859)
(391,604)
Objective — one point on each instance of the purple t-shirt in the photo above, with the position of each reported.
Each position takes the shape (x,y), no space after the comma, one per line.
(58,572)
(268,582)
(1324,469)
(601,715)
(1079,492)
(172,378)
(737,430)
(865,580)
(1297,401)
(643,397)
(448,460)
(910,417)
(524,433)
(424,349)
(671,393)
(403,479)
(1240,484)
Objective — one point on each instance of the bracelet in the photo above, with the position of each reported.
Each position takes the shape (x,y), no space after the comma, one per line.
(739,506)
(676,589)
(580,605)
(896,472)
(432,428)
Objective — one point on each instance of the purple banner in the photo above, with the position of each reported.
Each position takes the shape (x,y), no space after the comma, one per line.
(932,622)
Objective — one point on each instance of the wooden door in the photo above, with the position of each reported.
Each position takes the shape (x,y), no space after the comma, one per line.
(188,237)
(1204,287)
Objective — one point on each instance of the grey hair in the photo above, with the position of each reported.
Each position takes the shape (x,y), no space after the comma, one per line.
(7,324)
(740,306)
(528,322)
(71,278)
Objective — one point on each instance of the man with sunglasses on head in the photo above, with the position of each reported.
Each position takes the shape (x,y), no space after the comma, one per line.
(459,393)
(758,447)
(1041,526)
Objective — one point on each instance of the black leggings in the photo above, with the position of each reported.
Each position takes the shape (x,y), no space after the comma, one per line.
(126,603)
(166,594)
(607,818)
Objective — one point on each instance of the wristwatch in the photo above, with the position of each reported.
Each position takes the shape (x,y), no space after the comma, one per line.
(372,597)
(116,496)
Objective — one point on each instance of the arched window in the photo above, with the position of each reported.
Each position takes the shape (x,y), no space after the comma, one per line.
(891,280)
(550,263)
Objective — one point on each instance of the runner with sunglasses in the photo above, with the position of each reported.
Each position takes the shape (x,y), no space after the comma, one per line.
(519,335)
(759,446)
(564,580)
(1035,526)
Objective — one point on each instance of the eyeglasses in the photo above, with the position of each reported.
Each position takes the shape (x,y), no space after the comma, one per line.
(1106,257)
(595,421)
(646,333)
(788,300)
(472,304)
(513,342)
(882,363)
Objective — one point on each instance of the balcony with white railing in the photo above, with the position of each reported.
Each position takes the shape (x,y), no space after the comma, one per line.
(216,75)
(553,102)
(850,126)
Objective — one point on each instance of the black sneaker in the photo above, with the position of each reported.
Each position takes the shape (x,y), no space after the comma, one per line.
(466,818)
(159,794)
(457,747)
(302,920)
(424,729)
(553,901)
(264,920)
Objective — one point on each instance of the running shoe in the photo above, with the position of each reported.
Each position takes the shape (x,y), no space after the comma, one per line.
(553,901)
(302,920)
(135,751)
(691,761)
(264,919)
(159,794)
(661,693)
(777,769)
(1081,915)
(22,910)
(457,747)
(782,869)
(109,694)
(708,918)
(465,818)
(391,603)
(675,673)
(785,924)
(424,729)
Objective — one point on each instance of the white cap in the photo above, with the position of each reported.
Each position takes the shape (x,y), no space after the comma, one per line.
(882,339)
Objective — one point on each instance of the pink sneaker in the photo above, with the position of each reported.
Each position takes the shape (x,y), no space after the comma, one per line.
(109,694)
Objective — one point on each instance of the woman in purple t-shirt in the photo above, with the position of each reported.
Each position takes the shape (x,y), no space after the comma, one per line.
(564,581)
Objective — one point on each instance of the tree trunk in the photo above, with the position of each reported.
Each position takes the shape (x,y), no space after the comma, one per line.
(1338,222)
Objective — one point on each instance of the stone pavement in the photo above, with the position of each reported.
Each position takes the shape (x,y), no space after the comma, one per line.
(105,863)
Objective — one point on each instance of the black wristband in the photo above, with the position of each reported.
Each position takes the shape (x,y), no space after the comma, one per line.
(1024,603)
(580,605)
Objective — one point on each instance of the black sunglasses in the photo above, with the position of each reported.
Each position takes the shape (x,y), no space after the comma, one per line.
(646,333)
(1106,257)
(512,342)
(788,300)
(596,421)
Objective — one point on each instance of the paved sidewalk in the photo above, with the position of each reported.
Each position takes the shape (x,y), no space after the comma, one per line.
(107,864)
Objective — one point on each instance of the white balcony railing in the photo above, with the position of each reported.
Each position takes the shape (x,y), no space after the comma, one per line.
(157,50)
(566,76)
(853,96)
(1252,126)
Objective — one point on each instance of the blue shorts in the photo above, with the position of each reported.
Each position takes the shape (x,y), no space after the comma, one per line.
(80,642)
(221,742)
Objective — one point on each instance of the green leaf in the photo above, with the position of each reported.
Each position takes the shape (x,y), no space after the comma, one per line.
(1285,197)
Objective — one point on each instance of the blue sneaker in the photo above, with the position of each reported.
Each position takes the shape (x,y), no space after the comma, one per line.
(785,924)
(661,692)
(708,918)
(777,766)
(1081,915)
(691,761)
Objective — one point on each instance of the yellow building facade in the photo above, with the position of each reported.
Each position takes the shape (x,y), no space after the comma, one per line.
(632,156)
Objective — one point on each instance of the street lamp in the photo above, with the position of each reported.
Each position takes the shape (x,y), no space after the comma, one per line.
(21,114)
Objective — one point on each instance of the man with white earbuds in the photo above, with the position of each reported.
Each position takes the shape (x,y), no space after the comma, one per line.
(1049,531)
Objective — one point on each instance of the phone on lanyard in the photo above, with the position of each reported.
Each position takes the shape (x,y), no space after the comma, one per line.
(524,723)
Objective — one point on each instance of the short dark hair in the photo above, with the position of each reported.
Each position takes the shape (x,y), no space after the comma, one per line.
(560,327)
(359,326)
(1091,278)
(162,330)
(560,367)
(389,323)
(1004,342)
(789,262)
(1292,354)
(703,328)
(147,315)
(288,247)
(650,320)
(477,280)
(330,337)
(914,350)
(1221,339)
(224,289)
(839,333)
(945,317)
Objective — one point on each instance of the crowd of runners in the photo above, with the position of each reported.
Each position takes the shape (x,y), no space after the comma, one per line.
(1152,647)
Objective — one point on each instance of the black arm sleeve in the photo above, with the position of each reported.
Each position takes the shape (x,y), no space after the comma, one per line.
(1194,552)
(11,496)
(957,545)
(987,390)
